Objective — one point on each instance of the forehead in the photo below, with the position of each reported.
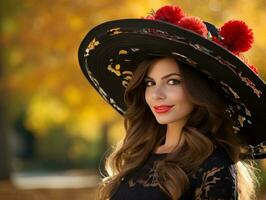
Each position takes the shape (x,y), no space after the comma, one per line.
(163,67)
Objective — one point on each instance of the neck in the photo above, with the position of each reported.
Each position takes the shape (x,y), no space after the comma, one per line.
(173,134)
(173,137)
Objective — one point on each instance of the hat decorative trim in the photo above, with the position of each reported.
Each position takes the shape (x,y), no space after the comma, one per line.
(190,61)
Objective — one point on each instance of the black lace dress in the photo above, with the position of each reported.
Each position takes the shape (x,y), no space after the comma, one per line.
(215,179)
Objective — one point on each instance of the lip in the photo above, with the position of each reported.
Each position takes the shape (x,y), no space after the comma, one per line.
(162,108)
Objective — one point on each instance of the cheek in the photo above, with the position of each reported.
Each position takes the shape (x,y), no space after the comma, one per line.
(188,107)
(177,95)
(180,98)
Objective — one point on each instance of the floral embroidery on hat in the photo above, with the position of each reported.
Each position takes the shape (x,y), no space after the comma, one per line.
(110,100)
(91,46)
(127,76)
(115,31)
(115,70)
(250,84)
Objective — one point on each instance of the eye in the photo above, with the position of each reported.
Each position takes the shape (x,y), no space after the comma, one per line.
(174,81)
(148,83)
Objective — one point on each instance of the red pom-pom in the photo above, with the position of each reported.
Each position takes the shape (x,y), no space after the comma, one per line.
(237,36)
(170,14)
(194,24)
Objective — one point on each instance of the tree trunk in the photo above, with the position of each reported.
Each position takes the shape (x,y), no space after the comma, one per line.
(4,166)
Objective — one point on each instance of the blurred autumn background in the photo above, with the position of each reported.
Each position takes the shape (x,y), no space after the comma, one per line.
(55,129)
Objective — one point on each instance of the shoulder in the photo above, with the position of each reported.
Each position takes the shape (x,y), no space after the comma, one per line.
(216,177)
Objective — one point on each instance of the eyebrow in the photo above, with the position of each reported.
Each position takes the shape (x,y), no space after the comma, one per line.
(166,76)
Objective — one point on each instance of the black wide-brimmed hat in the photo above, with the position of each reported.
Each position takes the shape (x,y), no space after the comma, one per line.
(110,52)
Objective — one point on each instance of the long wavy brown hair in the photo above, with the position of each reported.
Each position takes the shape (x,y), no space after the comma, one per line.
(208,125)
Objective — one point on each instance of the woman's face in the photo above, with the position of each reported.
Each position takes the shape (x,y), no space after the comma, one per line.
(164,92)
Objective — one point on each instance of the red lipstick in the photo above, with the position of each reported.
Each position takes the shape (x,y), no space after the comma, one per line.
(162,108)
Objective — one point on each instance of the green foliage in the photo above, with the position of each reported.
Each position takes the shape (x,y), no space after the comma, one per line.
(59,150)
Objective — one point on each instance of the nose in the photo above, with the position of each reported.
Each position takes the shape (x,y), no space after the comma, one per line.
(158,93)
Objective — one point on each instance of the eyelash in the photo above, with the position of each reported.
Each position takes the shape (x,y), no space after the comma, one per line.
(174,80)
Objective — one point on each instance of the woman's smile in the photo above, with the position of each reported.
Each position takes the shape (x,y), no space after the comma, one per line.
(162,108)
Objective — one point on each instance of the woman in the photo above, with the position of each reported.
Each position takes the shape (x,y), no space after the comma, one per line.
(189,106)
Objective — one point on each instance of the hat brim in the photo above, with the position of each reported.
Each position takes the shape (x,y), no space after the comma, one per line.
(110,52)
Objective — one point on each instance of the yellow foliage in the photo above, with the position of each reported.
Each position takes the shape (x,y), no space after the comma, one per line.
(72,95)
(116,131)
(263,164)
(44,112)
(75,22)
(86,124)
(15,58)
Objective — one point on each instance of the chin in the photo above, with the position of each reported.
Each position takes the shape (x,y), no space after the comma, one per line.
(164,121)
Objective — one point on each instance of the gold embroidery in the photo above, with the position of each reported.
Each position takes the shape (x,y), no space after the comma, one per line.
(236,129)
(208,179)
(247,111)
(200,48)
(135,49)
(184,58)
(115,31)
(102,92)
(91,46)
(115,70)
(122,52)
(127,76)
(250,84)
(131,183)
(151,181)
(236,96)
(191,62)
(178,54)
(228,64)
(241,119)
